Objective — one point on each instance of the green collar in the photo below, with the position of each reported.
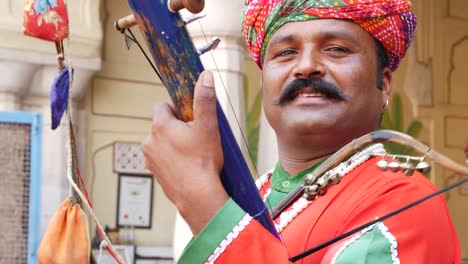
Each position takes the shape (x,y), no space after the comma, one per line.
(283,182)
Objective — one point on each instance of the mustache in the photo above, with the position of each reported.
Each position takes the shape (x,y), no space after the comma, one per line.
(317,85)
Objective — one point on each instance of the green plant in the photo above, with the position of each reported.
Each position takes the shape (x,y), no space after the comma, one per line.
(252,121)
(393,119)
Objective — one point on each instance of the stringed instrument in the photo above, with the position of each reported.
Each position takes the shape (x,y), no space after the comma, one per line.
(178,64)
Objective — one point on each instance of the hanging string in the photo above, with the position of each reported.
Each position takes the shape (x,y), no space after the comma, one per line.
(71,151)
(101,246)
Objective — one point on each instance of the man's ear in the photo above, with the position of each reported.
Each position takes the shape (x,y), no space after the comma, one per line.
(387,79)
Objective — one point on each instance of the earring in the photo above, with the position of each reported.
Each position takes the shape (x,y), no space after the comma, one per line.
(386,104)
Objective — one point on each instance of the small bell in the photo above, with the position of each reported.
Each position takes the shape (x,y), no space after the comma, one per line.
(335,179)
(308,180)
(423,167)
(311,190)
(407,168)
(394,166)
(382,164)
(323,182)
(310,197)
(322,191)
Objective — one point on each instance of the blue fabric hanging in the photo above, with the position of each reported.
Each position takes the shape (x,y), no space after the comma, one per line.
(59,96)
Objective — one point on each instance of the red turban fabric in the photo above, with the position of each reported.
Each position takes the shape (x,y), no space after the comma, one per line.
(391,22)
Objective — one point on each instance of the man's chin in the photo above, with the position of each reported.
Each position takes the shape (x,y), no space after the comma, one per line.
(309,125)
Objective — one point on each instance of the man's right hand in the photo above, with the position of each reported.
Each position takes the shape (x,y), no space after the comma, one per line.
(186,158)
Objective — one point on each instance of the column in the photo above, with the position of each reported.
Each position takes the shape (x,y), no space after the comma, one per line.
(16,78)
(227,65)
(267,147)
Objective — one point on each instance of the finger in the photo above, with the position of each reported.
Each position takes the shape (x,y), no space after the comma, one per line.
(204,101)
(146,148)
(163,115)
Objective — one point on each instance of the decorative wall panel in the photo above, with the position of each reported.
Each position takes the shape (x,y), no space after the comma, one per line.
(458,9)
(458,77)
(456,131)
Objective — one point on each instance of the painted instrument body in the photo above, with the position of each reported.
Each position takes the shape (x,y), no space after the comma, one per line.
(179,65)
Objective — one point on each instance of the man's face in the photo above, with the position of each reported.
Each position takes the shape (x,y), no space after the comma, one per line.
(337,54)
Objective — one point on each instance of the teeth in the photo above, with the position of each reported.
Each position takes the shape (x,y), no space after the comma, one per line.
(310,95)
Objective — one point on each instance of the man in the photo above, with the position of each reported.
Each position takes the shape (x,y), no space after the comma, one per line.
(327,73)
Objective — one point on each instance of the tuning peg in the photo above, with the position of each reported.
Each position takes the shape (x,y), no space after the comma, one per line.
(194,6)
(195,17)
(125,22)
(423,167)
(212,45)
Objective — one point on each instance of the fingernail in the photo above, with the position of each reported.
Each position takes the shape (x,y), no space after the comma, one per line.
(208,79)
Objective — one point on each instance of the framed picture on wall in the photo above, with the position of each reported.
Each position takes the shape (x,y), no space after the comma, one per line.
(135,201)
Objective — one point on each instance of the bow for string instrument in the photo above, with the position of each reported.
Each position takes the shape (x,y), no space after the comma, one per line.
(178,65)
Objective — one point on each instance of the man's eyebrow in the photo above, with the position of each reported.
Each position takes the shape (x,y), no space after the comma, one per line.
(339,35)
(286,38)
(326,35)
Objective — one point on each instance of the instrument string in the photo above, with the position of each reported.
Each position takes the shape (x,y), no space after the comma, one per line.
(244,137)
(134,40)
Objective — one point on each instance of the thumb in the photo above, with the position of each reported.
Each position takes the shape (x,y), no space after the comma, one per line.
(204,99)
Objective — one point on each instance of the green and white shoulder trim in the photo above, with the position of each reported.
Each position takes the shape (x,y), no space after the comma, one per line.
(375,244)
(217,235)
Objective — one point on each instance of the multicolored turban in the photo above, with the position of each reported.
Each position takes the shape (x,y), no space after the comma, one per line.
(389,21)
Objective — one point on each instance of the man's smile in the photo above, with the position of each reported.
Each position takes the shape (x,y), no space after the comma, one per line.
(308,92)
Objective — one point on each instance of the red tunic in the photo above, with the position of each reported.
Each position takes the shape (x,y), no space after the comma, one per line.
(422,234)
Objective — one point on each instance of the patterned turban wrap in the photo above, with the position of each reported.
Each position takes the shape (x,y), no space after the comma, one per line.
(389,21)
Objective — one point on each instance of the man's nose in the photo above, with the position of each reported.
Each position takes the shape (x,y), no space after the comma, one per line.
(310,65)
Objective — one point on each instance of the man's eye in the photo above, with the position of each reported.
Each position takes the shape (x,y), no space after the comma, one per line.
(338,49)
(285,53)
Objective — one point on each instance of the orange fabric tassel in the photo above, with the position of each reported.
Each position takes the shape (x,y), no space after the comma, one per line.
(66,239)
